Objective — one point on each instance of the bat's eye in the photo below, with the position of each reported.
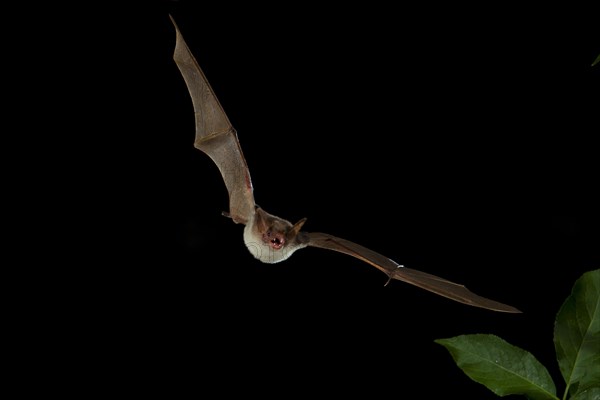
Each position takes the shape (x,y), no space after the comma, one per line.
(269,233)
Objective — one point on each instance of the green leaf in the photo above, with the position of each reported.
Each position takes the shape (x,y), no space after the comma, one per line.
(577,334)
(588,394)
(596,61)
(503,368)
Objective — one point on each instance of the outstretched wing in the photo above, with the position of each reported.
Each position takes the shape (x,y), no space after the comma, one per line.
(393,270)
(214,133)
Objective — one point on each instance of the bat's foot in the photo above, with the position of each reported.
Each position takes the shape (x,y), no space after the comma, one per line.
(390,277)
(235,218)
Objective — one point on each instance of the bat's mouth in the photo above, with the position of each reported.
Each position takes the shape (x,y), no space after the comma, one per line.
(275,240)
(277,243)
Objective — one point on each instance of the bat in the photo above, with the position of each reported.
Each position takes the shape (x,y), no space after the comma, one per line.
(269,238)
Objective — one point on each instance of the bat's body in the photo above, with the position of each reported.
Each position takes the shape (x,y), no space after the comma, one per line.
(272,239)
(269,238)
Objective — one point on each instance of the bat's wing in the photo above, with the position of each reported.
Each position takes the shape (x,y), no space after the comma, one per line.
(214,133)
(393,270)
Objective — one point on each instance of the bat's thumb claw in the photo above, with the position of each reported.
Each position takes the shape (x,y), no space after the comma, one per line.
(226,214)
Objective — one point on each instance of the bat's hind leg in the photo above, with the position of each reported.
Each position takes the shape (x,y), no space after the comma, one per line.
(237,219)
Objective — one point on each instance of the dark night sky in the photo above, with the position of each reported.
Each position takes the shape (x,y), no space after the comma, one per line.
(457,142)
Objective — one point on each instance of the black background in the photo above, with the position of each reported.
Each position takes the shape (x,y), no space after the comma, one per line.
(455,141)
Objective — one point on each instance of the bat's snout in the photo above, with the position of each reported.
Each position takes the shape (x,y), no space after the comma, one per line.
(274,239)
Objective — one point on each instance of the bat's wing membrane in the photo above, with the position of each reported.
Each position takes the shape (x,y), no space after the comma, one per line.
(393,270)
(214,133)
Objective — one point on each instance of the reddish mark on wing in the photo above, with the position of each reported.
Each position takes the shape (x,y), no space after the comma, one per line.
(248,182)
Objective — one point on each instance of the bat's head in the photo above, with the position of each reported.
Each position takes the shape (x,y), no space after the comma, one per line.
(272,239)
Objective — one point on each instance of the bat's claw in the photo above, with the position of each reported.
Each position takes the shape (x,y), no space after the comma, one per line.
(226,214)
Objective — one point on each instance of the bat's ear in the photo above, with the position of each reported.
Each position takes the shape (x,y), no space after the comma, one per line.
(296,228)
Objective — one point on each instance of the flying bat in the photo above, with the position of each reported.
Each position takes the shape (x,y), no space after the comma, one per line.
(269,238)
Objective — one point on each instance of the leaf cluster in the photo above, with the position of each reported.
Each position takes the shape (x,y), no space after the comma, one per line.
(506,369)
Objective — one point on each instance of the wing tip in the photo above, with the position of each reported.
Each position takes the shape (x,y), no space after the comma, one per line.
(173,20)
(511,310)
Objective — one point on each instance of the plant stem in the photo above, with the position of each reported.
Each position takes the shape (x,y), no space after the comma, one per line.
(566,392)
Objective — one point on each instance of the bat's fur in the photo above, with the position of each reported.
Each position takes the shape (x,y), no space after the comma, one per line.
(271,239)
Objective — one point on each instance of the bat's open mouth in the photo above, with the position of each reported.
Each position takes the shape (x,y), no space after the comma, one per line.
(277,242)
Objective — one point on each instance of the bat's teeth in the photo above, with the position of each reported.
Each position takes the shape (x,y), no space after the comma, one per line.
(277,243)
